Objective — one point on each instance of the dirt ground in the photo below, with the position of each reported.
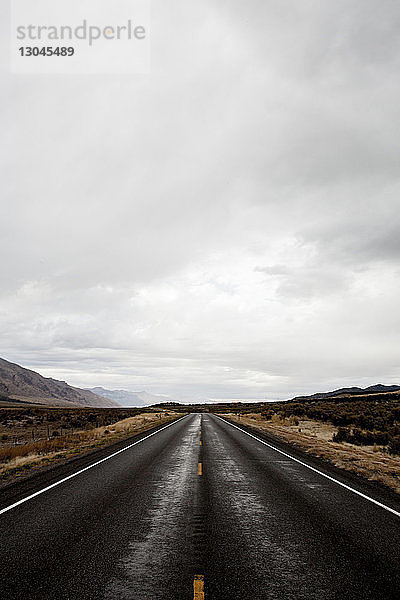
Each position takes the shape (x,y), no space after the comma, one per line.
(316,438)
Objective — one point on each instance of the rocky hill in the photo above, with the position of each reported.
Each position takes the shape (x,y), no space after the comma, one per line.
(18,383)
(352,391)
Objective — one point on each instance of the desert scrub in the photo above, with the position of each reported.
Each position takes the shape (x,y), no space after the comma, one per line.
(316,437)
(21,458)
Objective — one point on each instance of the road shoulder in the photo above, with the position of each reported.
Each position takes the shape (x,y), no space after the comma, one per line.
(375,489)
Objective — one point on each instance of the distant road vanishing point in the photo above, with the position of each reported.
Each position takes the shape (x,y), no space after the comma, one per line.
(199,508)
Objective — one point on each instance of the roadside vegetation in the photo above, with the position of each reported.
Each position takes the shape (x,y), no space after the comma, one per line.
(31,438)
(362,422)
(372,419)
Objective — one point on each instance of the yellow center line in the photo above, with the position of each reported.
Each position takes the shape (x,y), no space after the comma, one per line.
(200,469)
(200,442)
(198,587)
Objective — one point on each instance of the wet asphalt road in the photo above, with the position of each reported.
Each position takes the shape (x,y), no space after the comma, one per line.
(255,523)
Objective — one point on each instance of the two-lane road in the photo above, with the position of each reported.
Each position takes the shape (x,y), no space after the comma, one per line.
(200,500)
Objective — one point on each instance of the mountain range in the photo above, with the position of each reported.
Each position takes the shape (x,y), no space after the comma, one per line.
(18,383)
(352,391)
(126,398)
(24,385)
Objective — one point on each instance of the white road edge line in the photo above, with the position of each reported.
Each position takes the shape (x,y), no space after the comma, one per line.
(347,487)
(49,487)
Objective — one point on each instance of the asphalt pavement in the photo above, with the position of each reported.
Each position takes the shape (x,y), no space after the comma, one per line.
(200,509)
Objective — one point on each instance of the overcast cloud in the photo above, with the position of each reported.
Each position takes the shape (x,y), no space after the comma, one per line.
(225,227)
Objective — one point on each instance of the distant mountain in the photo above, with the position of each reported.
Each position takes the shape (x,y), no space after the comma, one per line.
(22,384)
(381,389)
(352,391)
(126,398)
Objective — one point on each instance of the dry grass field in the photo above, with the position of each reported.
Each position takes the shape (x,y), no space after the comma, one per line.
(29,442)
(315,437)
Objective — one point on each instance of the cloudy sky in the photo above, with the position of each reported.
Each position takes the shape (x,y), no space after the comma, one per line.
(227,226)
